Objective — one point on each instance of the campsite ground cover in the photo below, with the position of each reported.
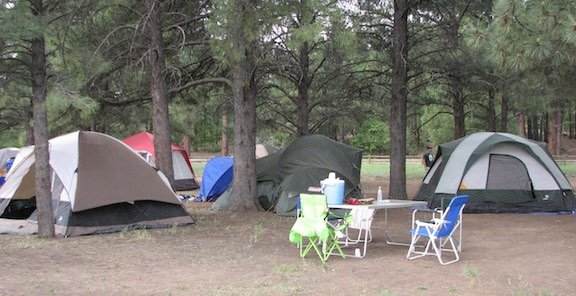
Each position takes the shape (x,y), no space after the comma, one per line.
(249,254)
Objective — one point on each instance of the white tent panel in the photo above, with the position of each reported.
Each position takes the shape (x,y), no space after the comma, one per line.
(452,174)
(19,174)
(181,169)
(433,170)
(541,178)
(64,159)
(477,175)
(548,161)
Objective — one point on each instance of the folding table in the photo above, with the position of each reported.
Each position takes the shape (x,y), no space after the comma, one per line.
(383,204)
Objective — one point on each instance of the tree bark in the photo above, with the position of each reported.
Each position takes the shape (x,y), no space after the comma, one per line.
(559,128)
(574,125)
(530,128)
(244,96)
(41,151)
(186,143)
(303,85)
(522,125)
(552,143)
(160,117)
(303,89)
(224,135)
(544,127)
(491,110)
(555,133)
(399,100)
(571,126)
(504,113)
(30,126)
(458,109)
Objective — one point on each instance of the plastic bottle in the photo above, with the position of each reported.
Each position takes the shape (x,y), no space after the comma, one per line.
(379,195)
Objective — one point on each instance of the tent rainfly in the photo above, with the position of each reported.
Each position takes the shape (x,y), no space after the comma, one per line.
(501,173)
(184,176)
(216,177)
(99,185)
(303,163)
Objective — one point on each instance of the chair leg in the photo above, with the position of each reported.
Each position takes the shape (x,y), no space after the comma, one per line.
(454,251)
(334,244)
(412,249)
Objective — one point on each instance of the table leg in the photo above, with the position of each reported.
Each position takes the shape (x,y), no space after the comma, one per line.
(388,237)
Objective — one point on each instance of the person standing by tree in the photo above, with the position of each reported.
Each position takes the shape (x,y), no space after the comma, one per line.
(428,158)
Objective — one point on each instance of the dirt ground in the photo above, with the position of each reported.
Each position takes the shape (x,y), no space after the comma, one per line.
(249,254)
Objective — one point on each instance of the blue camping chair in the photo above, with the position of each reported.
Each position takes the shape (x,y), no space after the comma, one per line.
(439,232)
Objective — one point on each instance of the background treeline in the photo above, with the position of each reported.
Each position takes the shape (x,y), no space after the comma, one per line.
(323,67)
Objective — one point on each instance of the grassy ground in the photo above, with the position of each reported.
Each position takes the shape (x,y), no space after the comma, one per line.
(381,170)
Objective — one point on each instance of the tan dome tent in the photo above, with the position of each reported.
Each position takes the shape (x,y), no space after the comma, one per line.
(501,173)
(99,185)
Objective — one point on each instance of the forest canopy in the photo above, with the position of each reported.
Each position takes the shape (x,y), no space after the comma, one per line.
(319,67)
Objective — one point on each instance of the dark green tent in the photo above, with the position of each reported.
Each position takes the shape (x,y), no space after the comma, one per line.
(501,173)
(303,163)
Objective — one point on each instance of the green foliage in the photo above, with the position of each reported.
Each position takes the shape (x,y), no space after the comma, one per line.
(373,136)
(439,127)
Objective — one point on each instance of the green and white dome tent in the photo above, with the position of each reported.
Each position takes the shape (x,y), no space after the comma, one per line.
(500,172)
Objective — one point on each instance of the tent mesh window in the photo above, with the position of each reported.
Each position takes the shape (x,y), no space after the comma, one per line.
(507,172)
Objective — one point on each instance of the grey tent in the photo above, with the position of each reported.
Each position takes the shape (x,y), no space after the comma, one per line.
(303,163)
(500,172)
(99,185)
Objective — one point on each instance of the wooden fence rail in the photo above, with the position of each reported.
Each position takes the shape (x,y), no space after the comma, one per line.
(560,159)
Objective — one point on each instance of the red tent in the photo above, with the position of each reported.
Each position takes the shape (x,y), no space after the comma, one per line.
(183,173)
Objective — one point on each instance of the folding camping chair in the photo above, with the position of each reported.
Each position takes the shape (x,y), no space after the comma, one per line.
(436,213)
(358,231)
(312,223)
(439,232)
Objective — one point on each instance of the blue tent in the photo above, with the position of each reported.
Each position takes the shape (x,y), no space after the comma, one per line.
(216,178)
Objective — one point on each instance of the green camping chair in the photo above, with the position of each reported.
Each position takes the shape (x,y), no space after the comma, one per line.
(312,223)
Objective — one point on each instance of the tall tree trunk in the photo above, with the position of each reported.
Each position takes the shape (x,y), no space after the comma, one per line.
(244,93)
(553,143)
(491,110)
(559,128)
(530,127)
(571,126)
(30,125)
(302,105)
(574,125)
(41,151)
(544,127)
(522,124)
(536,128)
(186,143)
(224,135)
(458,108)
(504,113)
(399,100)
(160,118)
(555,134)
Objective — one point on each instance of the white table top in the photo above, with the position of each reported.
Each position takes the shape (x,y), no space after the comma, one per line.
(384,204)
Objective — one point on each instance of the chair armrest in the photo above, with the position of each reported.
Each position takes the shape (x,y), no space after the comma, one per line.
(425,223)
(415,210)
